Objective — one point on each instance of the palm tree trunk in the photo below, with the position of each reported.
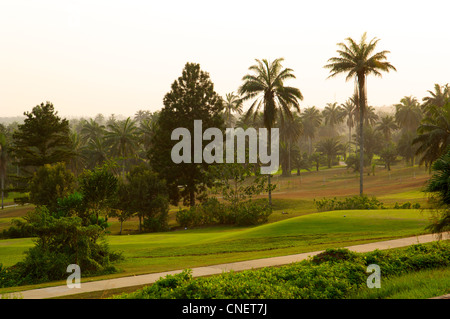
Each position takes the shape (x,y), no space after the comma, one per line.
(362,105)
(3,186)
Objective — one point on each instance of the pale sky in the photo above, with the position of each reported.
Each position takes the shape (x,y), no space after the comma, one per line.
(90,57)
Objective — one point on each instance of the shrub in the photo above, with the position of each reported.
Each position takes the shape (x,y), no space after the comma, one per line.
(335,274)
(355,202)
(60,242)
(213,212)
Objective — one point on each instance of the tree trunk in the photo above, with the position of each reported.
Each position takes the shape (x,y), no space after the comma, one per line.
(362,106)
(3,186)
(270,190)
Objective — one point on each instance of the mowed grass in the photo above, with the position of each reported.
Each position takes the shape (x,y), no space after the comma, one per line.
(295,226)
(422,284)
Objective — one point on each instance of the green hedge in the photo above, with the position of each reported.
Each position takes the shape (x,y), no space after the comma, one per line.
(334,274)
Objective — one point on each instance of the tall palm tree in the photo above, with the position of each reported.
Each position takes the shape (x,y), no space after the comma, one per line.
(232,104)
(311,120)
(386,126)
(332,115)
(267,89)
(358,61)
(408,113)
(122,137)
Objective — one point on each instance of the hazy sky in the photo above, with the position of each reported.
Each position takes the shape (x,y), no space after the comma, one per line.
(90,57)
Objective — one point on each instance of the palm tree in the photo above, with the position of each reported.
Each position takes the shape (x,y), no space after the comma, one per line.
(78,160)
(330,148)
(332,115)
(439,188)
(266,88)
(349,113)
(91,129)
(290,132)
(370,116)
(96,153)
(231,104)
(357,61)
(437,98)
(387,126)
(408,113)
(434,134)
(311,120)
(122,137)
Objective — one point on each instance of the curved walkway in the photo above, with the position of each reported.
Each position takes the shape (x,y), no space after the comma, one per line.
(102,285)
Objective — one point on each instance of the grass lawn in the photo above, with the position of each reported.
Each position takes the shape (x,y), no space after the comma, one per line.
(418,285)
(294,226)
(156,252)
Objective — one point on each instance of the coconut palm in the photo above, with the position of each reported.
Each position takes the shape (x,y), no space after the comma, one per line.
(439,188)
(90,130)
(311,120)
(437,98)
(267,89)
(330,148)
(386,126)
(122,138)
(332,115)
(78,160)
(358,61)
(434,134)
(96,153)
(370,116)
(231,104)
(408,113)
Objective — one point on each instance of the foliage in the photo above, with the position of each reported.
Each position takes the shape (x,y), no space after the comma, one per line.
(330,148)
(407,205)
(60,242)
(433,133)
(49,183)
(43,138)
(335,274)
(237,182)
(358,60)
(145,193)
(99,188)
(439,188)
(212,212)
(388,155)
(192,97)
(355,202)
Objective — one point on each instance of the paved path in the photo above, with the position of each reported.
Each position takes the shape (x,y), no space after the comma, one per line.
(131,281)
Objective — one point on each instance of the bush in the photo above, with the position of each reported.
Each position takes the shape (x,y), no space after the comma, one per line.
(61,242)
(213,212)
(355,202)
(406,205)
(335,274)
